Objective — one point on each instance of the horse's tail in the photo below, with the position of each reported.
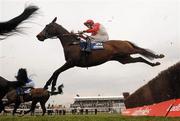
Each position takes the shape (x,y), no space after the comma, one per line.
(146,52)
(9,26)
(60,91)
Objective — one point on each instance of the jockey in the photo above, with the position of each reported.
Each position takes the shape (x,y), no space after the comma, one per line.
(98,32)
(29,84)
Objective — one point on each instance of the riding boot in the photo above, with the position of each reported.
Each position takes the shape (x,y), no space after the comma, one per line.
(88,47)
(21,98)
(21,93)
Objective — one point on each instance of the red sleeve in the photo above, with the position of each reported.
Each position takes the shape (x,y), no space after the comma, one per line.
(94,29)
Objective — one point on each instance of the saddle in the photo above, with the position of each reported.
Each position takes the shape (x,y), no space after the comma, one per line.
(86,42)
(21,92)
(94,45)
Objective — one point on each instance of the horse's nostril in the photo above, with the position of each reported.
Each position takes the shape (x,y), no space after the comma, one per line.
(38,36)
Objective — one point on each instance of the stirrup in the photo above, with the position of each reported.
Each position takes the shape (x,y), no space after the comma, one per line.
(88,50)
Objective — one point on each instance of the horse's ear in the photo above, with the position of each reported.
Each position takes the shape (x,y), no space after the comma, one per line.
(54,20)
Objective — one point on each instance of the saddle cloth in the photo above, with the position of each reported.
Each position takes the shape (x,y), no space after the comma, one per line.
(94,45)
(21,91)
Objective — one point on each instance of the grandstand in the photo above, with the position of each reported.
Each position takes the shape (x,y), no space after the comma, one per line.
(98,104)
(81,105)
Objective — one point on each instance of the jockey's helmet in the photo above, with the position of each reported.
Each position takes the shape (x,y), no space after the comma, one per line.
(89,22)
(22,74)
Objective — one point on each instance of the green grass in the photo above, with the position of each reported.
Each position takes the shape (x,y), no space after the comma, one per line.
(100,117)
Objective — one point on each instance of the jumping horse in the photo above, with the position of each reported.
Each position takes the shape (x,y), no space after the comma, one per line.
(114,50)
(9,27)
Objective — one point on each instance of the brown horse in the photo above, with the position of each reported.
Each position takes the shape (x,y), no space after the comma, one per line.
(36,95)
(114,50)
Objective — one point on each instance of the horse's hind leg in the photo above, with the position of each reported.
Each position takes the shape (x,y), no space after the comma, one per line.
(148,53)
(43,107)
(130,59)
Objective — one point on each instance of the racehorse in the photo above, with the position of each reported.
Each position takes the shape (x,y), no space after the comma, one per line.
(11,26)
(6,86)
(36,95)
(114,50)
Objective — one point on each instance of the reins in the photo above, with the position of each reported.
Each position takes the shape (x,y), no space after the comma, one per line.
(77,34)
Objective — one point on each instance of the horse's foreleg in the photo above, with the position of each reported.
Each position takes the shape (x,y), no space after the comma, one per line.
(16,107)
(1,106)
(6,104)
(33,106)
(135,60)
(55,75)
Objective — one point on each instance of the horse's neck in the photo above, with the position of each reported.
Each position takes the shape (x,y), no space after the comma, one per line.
(13,84)
(65,40)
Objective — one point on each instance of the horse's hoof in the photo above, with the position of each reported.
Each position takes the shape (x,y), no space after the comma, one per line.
(157,63)
(161,56)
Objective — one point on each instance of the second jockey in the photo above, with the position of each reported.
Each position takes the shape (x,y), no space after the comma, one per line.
(29,84)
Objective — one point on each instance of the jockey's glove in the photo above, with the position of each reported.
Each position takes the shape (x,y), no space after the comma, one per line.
(81,32)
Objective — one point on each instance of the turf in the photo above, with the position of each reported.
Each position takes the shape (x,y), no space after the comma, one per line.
(104,117)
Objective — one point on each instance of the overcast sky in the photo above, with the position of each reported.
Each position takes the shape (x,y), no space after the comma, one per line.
(152,24)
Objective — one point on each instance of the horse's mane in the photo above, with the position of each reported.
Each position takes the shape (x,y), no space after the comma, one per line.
(2,79)
(6,84)
(11,27)
(69,36)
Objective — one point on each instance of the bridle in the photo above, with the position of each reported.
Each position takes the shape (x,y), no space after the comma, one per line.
(47,35)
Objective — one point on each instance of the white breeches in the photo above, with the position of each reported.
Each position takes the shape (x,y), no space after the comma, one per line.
(30,84)
(101,38)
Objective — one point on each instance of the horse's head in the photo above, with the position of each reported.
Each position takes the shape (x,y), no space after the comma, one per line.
(53,30)
(49,31)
